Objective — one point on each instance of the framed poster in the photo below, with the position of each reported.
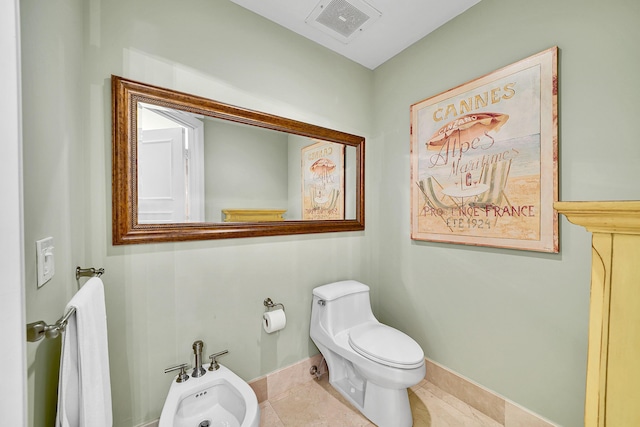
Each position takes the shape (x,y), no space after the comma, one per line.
(484,159)
(323,181)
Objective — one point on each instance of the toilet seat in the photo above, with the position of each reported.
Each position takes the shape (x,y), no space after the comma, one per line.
(386,345)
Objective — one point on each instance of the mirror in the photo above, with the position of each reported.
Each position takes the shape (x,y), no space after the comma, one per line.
(190,168)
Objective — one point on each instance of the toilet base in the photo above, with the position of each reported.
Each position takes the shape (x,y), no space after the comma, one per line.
(382,406)
(386,407)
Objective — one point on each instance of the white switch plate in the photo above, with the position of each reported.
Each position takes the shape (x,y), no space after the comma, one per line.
(45,260)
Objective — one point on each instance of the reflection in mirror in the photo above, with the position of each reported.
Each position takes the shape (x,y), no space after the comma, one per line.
(170,165)
(192,168)
(188,168)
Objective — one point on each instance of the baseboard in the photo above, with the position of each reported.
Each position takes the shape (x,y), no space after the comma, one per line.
(502,410)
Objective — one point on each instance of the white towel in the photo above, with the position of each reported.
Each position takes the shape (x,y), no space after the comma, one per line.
(84,388)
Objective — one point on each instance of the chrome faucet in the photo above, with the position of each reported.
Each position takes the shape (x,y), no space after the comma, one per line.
(198,370)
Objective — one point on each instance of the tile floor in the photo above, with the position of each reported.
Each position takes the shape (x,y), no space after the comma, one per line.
(316,403)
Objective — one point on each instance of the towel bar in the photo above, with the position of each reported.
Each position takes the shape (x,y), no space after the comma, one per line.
(88,272)
(38,330)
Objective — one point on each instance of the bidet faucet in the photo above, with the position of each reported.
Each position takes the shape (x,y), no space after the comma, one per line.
(198,370)
(214,363)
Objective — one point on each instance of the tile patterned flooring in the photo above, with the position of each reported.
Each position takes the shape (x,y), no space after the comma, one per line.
(316,404)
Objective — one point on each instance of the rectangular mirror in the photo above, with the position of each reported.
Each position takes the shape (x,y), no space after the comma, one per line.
(190,168)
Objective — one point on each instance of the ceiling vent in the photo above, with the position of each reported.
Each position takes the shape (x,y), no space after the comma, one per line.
(341,19)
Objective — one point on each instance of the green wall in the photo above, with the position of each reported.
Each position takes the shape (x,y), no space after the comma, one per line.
(513,321)
(53,177)
(162,297)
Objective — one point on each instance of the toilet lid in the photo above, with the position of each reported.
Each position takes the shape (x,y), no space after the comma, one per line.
(386,345)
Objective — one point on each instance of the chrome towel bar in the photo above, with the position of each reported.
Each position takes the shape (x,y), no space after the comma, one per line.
(38,330)
(88,272)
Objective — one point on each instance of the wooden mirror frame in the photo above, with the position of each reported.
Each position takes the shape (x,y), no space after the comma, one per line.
(125,97)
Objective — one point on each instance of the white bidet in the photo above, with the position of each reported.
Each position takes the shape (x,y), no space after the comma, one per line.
(216,399)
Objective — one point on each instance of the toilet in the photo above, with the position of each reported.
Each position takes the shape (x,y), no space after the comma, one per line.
(370,364)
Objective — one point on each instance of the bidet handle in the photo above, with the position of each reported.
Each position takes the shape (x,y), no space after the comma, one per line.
(214,363)
(182,375)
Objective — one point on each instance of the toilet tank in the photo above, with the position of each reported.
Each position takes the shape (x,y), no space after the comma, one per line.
(344,305)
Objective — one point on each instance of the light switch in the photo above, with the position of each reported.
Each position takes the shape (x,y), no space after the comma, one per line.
(45,260)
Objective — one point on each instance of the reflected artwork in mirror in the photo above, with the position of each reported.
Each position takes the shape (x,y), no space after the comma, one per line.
(191,168)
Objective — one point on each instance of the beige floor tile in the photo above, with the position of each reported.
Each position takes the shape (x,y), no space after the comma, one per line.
(317,403)
(310,405)
(420,412)
(268,417)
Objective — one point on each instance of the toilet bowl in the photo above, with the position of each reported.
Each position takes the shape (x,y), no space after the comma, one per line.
(218,398)
(370,364)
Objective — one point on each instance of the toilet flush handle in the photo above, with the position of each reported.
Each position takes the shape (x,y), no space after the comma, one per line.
(321,302)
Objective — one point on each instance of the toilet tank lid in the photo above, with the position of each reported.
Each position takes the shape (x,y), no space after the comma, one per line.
(339,289)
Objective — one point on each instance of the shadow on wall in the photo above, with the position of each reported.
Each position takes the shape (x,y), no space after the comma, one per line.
(45,370)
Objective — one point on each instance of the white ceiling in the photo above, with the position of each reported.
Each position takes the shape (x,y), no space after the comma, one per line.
(402,23)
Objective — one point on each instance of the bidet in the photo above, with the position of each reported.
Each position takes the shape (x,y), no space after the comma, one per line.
(215,398)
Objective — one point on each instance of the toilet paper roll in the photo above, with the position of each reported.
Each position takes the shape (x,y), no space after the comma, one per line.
(274,320)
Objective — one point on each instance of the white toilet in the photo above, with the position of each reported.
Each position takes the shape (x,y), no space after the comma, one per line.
(370,364)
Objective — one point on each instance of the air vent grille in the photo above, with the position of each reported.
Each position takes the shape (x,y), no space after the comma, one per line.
(343,19)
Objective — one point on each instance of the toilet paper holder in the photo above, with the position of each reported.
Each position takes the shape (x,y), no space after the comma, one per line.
(270,304)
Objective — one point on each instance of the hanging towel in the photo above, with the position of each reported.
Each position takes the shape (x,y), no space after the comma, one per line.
(84,388)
